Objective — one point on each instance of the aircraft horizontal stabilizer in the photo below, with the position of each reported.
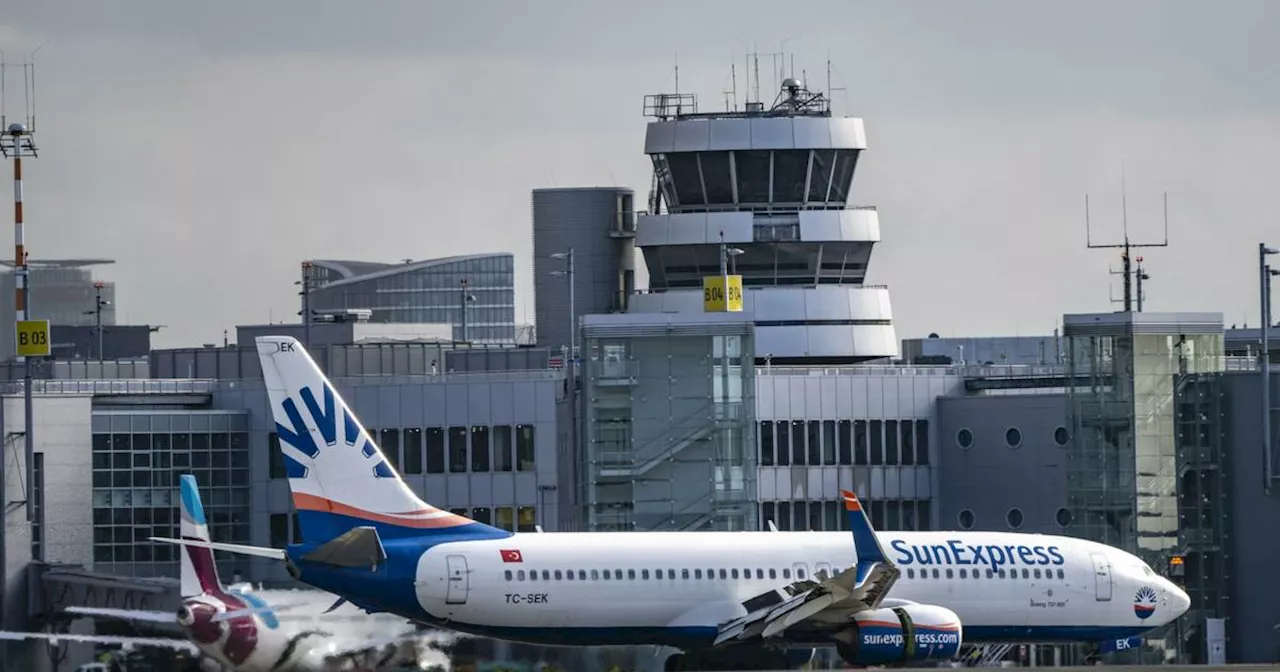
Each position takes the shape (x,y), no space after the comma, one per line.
(58,637)
(357,547)
(125,614)
(238,549)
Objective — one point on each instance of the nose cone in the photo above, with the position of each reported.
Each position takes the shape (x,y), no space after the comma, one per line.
(1179,601)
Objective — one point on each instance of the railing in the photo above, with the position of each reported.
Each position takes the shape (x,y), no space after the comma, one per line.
(778,208)
(613,369)
(135,386)
(752,288)
(1227,363)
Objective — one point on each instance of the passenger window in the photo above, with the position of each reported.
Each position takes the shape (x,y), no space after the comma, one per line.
(911,573)
(1026,573)
(734,573)
(773,573)
(1001,572)
(1036,573)
(800,572)
(617,574)
(760,572)
(558,577)
(546,575)
(631,573)
(711,574)
(671,573)
(1060,574)
(964,573)
(949,576)
(786,573)
(595,573)
(991,573)
(582,575)
(684,573)
(568,574)
(697,573)
(936,574)
(533,575)
(520,574)
(605,573)
(644,573)
(507,573)
(724,574)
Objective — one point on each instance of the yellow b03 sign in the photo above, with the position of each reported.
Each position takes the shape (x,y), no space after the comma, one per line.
(714,291)
(33,338)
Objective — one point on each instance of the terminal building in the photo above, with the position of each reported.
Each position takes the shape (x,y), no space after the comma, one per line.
(1137,429)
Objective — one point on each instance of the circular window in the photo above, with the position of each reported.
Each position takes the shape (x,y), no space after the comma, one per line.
(964,439)
(1061,436)
(1013,437)
(1063,517)
(965,519)
(1014,518)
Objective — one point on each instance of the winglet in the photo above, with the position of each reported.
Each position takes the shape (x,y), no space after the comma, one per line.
(866,544)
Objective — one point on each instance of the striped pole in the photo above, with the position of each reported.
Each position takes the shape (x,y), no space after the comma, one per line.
(19,240)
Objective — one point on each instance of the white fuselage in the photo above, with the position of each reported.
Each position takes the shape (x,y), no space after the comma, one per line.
(1041,587)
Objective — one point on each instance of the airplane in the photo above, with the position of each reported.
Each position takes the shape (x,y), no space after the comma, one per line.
(246,630)
(723,600)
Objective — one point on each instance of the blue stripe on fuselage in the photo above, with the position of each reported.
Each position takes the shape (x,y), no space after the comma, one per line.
(324,525)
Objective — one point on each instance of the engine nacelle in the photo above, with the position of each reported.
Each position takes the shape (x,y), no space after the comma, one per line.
(901,635)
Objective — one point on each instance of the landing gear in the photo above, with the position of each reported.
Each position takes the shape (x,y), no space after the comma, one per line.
(674,663)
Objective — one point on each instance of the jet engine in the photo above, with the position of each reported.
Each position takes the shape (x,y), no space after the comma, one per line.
(901,635)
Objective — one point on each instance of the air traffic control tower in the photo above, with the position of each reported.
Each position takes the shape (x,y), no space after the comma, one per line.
(770,188)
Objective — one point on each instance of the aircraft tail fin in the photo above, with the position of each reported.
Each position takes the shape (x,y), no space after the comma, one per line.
(339,478)
(199,573)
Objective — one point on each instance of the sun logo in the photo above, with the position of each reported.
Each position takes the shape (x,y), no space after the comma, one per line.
(1144,603)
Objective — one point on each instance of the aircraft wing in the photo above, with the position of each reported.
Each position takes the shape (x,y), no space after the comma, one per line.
(827,599)
(57,637)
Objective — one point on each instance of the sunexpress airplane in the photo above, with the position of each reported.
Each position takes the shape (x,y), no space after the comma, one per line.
(726,600)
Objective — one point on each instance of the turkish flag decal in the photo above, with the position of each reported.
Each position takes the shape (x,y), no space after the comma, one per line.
(511,556)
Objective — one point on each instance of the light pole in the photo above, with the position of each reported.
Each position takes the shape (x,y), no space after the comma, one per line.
(464,298)
(1264,296)
(305,282)
(99,304)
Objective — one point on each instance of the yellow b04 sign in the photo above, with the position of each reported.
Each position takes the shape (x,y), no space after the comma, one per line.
(714,294)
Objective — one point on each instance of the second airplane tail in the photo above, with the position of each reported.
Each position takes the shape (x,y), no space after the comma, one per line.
(339,478)
(199,574)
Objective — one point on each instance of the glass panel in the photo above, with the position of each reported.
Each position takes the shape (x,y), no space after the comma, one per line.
(479,448)
(412,450)
(457,449)
(435,450)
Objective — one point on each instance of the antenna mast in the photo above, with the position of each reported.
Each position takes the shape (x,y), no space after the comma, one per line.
(1126,256)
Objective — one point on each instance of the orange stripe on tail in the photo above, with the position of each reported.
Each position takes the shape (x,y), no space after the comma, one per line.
(305,502)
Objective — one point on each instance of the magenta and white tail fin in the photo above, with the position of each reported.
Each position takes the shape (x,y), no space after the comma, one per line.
(199,573)
(338,476)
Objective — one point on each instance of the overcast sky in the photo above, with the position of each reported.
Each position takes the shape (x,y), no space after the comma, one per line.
(209,147)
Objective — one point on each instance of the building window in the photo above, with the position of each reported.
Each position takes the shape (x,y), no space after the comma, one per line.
(1014,518)
(457,450)
(828,441)
(389,443)
(413,450)
(479,449)
(525,449)
(435,450)
(766,443)
(922,442)
(1013,437)
(505,518)
(964,439)
(275,458)
(502,459)
(1063,517)
(527,519)
(965,519)
(1061,436)
(279,530)
(846,442)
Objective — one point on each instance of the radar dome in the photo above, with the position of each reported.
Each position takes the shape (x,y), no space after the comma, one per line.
(792,83)
(16,128)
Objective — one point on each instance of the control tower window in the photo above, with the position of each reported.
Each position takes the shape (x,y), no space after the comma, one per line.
(684,174)
(790,168)
(820,174)
(845,161)
(716,177)
(753,176)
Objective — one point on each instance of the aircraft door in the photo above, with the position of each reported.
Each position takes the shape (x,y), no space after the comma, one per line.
(822,570)
(459,579)
(799,571)
(1101,577)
